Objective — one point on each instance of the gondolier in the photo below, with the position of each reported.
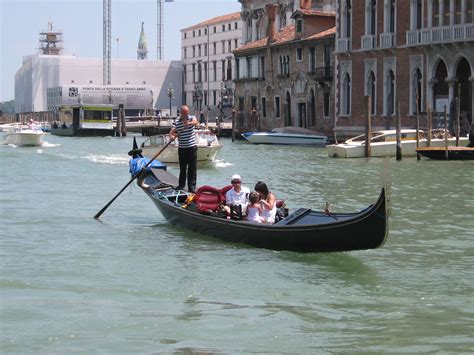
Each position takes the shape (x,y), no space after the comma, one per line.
(183,128)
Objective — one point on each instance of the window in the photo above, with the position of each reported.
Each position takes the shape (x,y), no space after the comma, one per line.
(223,69)
(346,19)
(229,27)
(205,31)
(372,17)
(326,104)
(229,69)
(223,28)
(199,32)
(346,95)
(194,51)
(249,67)
(215,29)
(262,67)
(264,107)
(185,53)
(299,54)
(194,73)
(199,72)
(214,45)
(184,74)
(205,97)
(184,35)
(235,43)
(390,94)
(392,17)
(214,63)
(205,49)
(199,50)
(235,25)
(312,60)
(194,33)
(214,97)
(277,106)
(237,68)
(416,89)
(205,71)
(229,46)
(223,47)
(299,26)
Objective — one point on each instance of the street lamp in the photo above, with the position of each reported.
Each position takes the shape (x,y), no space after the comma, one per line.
(170,94)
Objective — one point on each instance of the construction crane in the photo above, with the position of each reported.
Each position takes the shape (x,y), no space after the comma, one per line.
(160,52)
(107,42)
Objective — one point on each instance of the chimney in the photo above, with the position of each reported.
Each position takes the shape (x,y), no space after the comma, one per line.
(305,4)
(272,10)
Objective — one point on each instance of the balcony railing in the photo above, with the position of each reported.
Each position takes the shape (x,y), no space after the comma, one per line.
(368,42)
(343,45)
(443,34)
(322,74)
(387,40)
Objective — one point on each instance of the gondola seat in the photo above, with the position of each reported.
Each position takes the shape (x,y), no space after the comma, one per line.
(208,199)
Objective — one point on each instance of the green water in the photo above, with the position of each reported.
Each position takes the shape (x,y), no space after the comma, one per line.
(130,283)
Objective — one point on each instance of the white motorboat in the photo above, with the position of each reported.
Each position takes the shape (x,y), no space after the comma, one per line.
(383,143)
(23,136)
(207,143)
(287,135)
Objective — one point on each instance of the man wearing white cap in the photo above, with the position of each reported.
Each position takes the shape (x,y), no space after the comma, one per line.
(237,195)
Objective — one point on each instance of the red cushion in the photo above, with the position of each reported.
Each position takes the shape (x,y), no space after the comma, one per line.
(207,198)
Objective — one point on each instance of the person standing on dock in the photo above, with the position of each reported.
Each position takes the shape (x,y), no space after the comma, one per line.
(183,129)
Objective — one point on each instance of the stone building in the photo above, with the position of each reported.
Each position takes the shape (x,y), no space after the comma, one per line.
(394,51)
(208,63)
(284,77)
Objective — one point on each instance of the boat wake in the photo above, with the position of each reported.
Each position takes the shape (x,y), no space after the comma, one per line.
(108,159)
(221,163)
(49,145)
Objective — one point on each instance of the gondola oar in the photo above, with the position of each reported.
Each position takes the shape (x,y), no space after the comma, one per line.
(97,216)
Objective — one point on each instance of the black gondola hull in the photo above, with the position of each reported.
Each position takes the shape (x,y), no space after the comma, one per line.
(315,232)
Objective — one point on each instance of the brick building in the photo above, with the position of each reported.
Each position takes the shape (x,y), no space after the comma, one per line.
(285,73)
(208,62)
(392,50)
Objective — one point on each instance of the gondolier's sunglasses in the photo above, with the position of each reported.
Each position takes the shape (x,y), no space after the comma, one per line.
(235,182)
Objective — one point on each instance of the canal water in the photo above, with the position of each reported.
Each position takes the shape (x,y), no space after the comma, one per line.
(130,283)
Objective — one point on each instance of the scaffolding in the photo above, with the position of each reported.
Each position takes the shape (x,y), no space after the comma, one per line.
(50,41)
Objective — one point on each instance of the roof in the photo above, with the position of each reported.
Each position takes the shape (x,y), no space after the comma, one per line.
(311,12)
(214,20)
(285,35)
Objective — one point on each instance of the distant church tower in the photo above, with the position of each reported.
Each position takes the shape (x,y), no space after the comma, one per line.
(142,51)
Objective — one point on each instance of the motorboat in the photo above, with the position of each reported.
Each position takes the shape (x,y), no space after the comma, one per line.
(208,147)
(304,230)
(23,136)
(287,135)
(383,143)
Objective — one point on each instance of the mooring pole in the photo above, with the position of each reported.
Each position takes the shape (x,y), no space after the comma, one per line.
(417,126)
(368,125)
(399,138)
(445,133)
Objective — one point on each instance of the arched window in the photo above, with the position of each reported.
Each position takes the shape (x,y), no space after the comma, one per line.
(390,94)
(288,110)
(348,15)
(392,17)
(346,95)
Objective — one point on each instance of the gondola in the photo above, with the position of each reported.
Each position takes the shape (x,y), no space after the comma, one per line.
(303,230)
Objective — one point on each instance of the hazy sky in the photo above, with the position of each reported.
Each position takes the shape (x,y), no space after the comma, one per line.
(81,23)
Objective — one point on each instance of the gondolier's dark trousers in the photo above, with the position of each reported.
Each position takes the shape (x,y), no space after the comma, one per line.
(187,160)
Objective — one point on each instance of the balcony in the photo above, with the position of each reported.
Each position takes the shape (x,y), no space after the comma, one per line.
(343,45)
(322,74)
(387,40)
(443,34)
(368,42)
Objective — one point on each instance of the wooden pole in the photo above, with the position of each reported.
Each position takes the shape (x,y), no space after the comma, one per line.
(458,115)
(399,138)
(233,124)
(428,134)
(417,126)
(368,125)
(445,133)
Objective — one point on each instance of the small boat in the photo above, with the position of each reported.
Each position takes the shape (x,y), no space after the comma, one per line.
(383,143)
(23,136)
(454,153)
(305,230)
(207,143)
(287,135)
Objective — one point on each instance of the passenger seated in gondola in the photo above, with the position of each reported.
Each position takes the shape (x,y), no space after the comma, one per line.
(254,209)
(268,201)
(237,196)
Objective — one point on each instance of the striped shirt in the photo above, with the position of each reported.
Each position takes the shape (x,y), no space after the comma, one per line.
(186,135)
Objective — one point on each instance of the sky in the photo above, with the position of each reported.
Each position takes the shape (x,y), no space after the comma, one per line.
(81,23)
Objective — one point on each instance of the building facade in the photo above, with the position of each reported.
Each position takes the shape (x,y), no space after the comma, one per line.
(42,74)
(208,64)
(407,56)
(285,78)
